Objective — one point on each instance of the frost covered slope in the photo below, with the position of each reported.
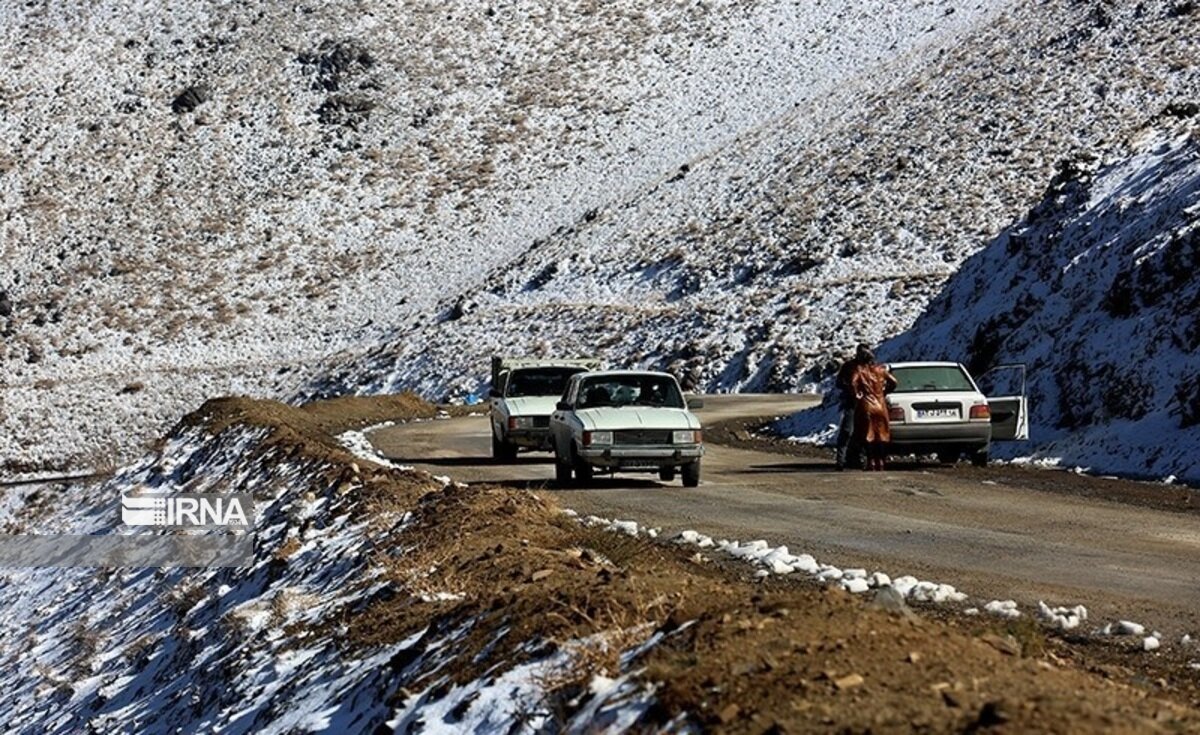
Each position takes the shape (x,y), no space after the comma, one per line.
(1096,289)
(203,198)
(754,266)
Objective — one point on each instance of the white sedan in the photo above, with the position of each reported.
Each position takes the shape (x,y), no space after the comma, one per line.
(627,421)
(938,408)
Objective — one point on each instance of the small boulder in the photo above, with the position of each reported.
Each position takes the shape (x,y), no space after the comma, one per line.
(890,600)
(189,99)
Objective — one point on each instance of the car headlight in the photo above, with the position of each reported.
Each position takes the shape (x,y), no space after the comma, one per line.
(685,437)
(520,422)
(593,438)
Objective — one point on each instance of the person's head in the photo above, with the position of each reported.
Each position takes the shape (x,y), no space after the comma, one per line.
(863,353)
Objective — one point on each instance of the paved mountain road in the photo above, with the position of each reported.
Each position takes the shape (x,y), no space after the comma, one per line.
(993,533)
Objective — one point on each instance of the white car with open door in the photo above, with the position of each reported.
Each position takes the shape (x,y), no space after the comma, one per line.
(938,408)
(626,421)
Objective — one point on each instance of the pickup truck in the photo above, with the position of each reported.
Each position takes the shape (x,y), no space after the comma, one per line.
(626,421)
(522,398)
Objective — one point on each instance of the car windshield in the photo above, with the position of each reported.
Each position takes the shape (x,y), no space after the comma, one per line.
(931,378)
(630,390)
(548,381)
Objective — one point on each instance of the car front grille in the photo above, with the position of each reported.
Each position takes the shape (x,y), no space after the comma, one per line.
(641,436)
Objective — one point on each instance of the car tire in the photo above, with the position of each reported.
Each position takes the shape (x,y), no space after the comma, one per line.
(562,470)
(503,451)
(691,474)
(666,474)
(979,457)
(947,456)
(584,472)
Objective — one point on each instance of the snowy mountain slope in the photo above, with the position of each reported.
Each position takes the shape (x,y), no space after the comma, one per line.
(1096,290)
(231,192)
(757,265)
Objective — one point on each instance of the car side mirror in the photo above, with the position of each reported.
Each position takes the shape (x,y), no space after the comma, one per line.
(494,393)
(562,406)
(695,404)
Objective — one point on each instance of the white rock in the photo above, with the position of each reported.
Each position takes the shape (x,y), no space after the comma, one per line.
(1150,643)
(854,573)
(777,554)
(904,585)
(971,611)
(947,593)
(856,585)
(829,573)
(879,579)
(1125,627)
(779,566)
(805,563)
(1186,640)
(1003,609)
(762,573)
(629,528)
(925,592)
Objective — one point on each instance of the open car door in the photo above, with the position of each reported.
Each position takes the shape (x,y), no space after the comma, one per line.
(1004,387)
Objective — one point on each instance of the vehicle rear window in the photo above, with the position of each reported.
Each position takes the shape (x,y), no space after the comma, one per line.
(630,390)
(931,378)
(550,381)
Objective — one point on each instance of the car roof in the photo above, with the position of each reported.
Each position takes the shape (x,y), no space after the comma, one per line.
(895,365)
(617,373)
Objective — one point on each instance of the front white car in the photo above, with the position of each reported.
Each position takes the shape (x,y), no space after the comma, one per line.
(627,421)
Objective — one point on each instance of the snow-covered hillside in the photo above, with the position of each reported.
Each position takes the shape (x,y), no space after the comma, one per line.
(755,266)
(204,198)
(1096,290)
(208,198)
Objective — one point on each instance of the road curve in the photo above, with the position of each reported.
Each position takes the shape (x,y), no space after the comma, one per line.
(984,531)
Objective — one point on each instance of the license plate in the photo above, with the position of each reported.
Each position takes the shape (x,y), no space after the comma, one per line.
(937,413)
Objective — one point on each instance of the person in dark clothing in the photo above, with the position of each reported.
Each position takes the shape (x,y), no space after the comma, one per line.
(847,452)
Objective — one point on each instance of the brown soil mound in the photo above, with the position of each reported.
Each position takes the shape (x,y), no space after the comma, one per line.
(758,657)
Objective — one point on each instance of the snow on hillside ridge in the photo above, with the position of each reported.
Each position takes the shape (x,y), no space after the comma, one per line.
(249,650)
(231,192)
(756,266)
(1096,291)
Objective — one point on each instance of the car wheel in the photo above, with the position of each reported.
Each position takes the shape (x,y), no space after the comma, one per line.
(503,451)
(979,458)
(562,470)
(691,474)
(584,472)
(666,474)
(947,457)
